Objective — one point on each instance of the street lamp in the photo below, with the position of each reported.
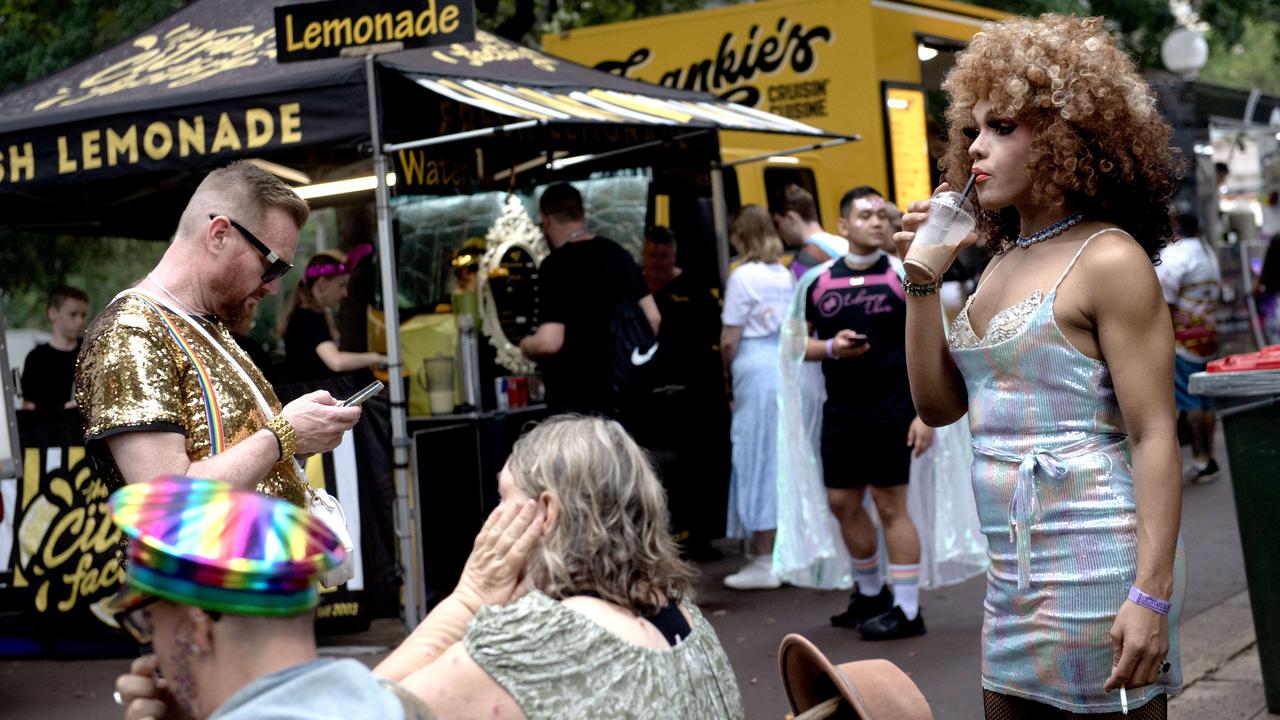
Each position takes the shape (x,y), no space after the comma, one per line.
(1184,52)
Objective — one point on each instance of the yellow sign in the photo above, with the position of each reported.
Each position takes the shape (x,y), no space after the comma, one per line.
(822,62)
(908,144)
(310,31)
(158,140)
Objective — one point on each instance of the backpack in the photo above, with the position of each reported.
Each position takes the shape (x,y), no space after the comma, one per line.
(633,347)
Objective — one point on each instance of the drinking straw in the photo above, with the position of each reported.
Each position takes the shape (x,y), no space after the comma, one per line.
(969,185)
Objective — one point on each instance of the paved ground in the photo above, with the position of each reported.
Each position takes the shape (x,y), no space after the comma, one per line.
(1219,651)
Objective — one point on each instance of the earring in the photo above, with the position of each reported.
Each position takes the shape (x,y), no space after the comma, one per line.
(195,649)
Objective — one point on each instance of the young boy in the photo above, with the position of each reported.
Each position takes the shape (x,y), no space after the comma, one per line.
(50,369)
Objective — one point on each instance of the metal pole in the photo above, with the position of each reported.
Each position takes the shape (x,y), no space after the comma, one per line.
(720,214)
(406,510)
(464,135)
(792,151)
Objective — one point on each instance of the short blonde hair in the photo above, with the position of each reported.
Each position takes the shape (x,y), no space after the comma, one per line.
(612,537)
(756,234)
(244,191)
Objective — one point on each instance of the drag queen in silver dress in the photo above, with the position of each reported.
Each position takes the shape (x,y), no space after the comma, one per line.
(1063,360)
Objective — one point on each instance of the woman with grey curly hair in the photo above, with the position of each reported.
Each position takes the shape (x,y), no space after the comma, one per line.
(1064,364)
(574,602)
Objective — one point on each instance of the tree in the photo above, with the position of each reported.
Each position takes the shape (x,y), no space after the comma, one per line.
(525,21)
(1243,35)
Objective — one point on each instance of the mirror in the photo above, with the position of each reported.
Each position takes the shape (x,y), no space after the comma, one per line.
(508,284)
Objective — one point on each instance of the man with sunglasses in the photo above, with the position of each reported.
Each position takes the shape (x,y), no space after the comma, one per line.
(221,583)
(163,386)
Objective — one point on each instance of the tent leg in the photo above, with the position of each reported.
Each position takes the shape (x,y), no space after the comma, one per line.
(406,510)
(720,215)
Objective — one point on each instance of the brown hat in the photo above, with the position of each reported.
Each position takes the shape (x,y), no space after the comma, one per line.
(864,689)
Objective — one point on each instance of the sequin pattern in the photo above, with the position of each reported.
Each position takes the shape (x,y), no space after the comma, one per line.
(557,663)
(1032,395)
(1004,324)
(133,376)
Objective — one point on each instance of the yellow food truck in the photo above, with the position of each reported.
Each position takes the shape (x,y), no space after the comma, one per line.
(871,68)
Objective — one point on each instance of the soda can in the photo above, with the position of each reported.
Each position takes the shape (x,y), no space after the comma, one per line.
(500,393)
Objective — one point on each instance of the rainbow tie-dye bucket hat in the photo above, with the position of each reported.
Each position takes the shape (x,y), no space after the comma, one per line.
(209,544)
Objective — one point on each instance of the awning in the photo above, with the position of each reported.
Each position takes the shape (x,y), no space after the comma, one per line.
(610,106)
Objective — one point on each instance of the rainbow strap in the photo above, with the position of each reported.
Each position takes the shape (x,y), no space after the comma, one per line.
(211,411)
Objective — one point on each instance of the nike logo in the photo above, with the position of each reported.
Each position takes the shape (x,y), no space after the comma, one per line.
(638,358)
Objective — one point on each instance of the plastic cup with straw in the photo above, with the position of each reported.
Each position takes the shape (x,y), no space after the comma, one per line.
(937,242)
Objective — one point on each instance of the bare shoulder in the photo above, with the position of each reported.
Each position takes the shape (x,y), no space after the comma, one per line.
(1115,263)
(1117,278)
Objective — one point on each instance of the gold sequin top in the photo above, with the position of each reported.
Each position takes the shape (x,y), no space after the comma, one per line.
(133,375)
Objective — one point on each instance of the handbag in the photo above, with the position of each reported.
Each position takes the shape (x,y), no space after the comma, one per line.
(323,506)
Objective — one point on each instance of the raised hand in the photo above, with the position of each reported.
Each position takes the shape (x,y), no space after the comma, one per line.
(498,557)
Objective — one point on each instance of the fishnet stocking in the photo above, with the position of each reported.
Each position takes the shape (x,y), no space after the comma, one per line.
(1006,707)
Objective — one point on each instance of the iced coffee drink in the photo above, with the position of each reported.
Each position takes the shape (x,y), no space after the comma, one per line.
(938,240)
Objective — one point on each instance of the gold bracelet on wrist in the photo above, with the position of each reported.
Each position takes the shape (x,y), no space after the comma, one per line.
(285,438)
(921,289)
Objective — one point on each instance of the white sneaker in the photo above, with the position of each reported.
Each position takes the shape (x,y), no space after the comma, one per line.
(755,575)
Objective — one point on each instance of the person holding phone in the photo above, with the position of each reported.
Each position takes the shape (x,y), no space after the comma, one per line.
(856,311)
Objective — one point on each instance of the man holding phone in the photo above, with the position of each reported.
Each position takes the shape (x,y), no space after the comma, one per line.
(163,386)
(856,310)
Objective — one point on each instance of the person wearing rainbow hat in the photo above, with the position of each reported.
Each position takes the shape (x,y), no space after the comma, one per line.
(221,582)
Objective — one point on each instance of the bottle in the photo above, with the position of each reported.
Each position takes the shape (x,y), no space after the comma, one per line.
(469,352)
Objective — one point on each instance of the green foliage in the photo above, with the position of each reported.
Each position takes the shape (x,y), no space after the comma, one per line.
(1247,62)
(33,264)
(1141,25)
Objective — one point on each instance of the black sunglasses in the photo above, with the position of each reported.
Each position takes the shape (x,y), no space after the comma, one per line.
(276,266)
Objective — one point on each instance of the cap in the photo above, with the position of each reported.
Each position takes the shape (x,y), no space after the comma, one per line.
(870,688)
(209,544)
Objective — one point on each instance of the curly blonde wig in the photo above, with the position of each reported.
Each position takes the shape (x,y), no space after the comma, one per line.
(1099,145)
(611,539)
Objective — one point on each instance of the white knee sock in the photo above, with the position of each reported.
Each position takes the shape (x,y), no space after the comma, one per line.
(867,572)
(906,588)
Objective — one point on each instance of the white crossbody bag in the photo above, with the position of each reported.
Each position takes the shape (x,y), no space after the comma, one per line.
(320,503)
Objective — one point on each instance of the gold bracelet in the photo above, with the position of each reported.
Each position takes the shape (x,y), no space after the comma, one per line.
(285,438)
(921,289)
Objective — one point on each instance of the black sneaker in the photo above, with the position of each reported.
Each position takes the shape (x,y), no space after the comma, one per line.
(892,625)
(863,607)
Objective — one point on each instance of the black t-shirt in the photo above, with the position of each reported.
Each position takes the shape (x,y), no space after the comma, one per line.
(306,330)
(580,285)
(871,388)
(689,338)
(48,376)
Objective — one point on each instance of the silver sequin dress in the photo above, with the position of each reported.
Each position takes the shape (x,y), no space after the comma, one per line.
(1053,482)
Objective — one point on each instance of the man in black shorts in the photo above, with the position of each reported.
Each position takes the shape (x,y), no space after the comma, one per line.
(857,318)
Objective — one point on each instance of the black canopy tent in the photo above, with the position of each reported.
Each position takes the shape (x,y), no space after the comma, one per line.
(116,144)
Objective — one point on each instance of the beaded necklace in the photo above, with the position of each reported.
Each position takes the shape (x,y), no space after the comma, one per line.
(1054,230)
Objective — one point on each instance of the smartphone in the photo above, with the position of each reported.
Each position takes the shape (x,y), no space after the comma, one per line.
(365,393)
